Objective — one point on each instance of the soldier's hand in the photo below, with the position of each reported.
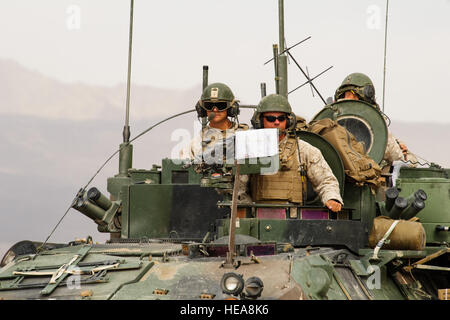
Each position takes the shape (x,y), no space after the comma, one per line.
(333,205)
(404,150)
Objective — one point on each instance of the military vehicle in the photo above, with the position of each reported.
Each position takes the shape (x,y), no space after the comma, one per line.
(179,234)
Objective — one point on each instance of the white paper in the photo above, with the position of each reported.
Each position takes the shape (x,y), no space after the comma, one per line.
(256,143)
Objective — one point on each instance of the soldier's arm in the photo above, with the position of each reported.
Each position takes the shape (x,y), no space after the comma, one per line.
(319,173)
(393,151)
(193,150)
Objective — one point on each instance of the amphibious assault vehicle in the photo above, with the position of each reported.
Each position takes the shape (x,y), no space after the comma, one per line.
(180,234)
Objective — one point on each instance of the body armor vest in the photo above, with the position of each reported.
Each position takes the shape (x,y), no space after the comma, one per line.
(286,184)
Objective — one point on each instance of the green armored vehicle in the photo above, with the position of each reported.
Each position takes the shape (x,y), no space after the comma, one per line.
(177,232)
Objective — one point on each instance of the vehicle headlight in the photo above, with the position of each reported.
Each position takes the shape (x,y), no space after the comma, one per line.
(232,283)
(254,287)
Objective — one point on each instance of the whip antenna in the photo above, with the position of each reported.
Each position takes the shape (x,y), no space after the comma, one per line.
(385,46)
(126,128)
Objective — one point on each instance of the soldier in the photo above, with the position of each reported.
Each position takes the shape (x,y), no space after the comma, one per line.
(219,105)
(274,111)
(358,86)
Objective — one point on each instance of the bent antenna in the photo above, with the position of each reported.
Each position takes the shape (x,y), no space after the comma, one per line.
(126,128)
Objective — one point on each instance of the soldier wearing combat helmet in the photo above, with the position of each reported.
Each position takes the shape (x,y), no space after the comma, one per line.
(358,86)
(218,104)
(274,111)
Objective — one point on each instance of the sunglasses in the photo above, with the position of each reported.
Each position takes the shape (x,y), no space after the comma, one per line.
(219,105)
(273,118)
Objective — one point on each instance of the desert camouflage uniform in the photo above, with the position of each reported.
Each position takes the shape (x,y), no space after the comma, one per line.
(393,151)
(361,86)
(318,172)
(193,151)
(411,158)
(211,135)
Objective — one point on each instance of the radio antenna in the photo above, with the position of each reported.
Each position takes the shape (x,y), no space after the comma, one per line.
(126,128)
(385,47)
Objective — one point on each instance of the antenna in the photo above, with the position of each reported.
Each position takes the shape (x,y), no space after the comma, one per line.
(282,59)
(287,49)
(277,68)
(263,90)
(309,77)
(385,47)
(205,77)
(126,149)
(126,128)
(310,82)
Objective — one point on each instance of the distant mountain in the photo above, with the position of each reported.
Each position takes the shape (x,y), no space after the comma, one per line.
(28,92)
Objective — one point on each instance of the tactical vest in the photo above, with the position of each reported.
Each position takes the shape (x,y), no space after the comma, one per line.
(286,184)
(357,164)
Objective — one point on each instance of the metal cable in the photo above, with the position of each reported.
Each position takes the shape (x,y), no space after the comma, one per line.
(385,48)
(82,190)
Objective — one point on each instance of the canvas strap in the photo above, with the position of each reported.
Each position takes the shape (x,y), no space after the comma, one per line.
(383,240)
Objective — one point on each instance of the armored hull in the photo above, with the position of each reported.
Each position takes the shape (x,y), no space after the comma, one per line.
(169,247)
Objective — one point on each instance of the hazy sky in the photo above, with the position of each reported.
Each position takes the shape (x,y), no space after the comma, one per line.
(86,41)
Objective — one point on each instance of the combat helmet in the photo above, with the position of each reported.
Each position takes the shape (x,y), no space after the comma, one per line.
(273,103)
(217,95)
(359,84)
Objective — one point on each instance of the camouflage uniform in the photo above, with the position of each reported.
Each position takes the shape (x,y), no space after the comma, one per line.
(317,170)
(202,147)
(362,86)
(319,173)
(411,157)
(194,151)
(286,185)
(393,151)
(210,136)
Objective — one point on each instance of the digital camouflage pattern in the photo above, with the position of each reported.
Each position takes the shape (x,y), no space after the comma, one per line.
(287,184)
(193,151)
(318,172)
(393,150)
(210,136)
(361,85)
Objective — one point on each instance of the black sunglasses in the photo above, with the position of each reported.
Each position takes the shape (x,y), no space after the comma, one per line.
(219,105)
(273,118)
